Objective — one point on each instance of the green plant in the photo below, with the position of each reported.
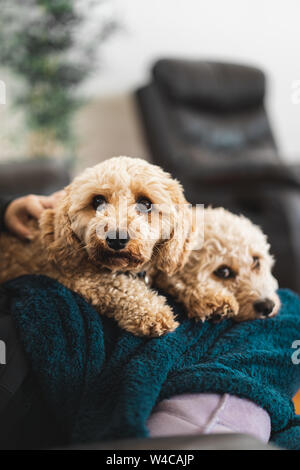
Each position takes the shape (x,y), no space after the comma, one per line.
(48,43)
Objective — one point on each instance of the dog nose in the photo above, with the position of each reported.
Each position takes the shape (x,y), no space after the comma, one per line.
(117,240)
(264,307)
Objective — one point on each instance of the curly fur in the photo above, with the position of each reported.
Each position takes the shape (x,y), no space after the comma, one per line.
(67,246)
(233,241)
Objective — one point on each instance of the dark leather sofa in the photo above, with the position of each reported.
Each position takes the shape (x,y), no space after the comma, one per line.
(178,443)
(32,177)
(206,123)
(206,117)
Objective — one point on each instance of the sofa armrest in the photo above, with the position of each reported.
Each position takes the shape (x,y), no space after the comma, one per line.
(34,176)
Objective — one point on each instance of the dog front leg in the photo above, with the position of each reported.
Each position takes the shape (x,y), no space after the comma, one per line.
(134,306)
(206,302)
(202,299)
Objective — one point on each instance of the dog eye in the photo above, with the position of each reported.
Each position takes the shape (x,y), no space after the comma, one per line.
(225,272)
(98,201)
(256,262)
(143,204)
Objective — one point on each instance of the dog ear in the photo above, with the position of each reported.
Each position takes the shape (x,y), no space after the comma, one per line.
(173,253)
(57,236)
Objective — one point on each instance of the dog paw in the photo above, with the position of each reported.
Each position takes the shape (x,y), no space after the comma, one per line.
(222,308)
(216,308)
(159,324)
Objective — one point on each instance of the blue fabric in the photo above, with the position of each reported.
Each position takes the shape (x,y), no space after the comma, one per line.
(102,382)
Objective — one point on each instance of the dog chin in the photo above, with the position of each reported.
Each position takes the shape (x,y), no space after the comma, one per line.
(116,260)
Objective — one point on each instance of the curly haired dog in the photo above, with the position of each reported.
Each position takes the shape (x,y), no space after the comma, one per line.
(230,275)
(104,230)
(125,216)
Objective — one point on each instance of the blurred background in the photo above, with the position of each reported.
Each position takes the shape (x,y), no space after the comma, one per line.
(126,38)
(210,91)
(262,33)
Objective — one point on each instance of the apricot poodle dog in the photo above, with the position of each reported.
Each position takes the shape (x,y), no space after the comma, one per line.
(125,217)
(230,275)
(104,231)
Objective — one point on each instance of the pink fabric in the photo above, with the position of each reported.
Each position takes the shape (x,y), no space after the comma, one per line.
(209,413)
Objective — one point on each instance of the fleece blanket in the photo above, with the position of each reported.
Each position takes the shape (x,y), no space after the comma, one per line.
(102,382)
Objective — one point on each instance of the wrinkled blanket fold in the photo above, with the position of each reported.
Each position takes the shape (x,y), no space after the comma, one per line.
(102,382)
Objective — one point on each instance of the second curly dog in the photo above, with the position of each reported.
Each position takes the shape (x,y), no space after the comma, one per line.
(229,274)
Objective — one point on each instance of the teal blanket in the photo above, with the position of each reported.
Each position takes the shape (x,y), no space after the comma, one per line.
(102,382)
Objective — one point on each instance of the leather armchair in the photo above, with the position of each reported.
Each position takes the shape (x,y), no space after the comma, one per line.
(205,122)
(204,117)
